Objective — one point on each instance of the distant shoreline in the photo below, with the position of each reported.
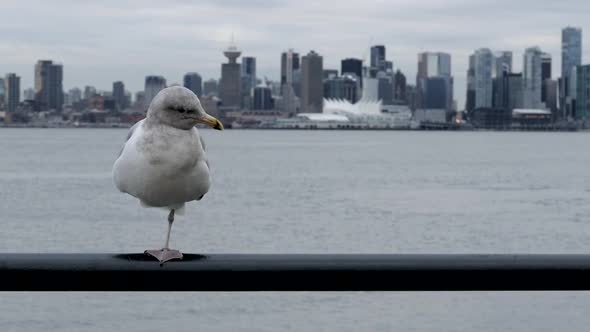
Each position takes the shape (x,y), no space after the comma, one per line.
(125,126)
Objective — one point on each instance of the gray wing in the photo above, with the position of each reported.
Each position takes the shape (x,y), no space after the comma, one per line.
(206,160)
(129,136)
(204,150)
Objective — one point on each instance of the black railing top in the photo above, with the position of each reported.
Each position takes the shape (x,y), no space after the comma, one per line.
(293,272)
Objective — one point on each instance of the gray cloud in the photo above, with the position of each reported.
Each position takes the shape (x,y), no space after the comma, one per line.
(99,43)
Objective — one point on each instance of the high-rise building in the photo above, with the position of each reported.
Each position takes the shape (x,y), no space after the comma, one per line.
(532,79)
(582,110)
(312,99)
(29,94)
(119,95)
(434,65)
(210,87)
(377,59)
(75,95)
(545,76)
(12,91)
(249,70)
(139,103)
(352,66)
(2,92)
(342,87)
(399,94)
(508,91)
(262,98)
(545,66)
(571,57)
(153,85)
(230,85)
(502,63)
(483,64)
(193,82)
(571,50)
(248,80)
(290,81)
(48,85)
(385,88)
(289,63)
(549,95)
(89,92)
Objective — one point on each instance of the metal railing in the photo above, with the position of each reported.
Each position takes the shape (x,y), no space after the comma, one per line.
(277,272)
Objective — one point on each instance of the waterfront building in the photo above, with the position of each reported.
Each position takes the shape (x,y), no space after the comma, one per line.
(230,85)
(342,87)
(483,63)
(571,57)
(118,96)
(532,79)
(193,82)
(312,83)
(582,110)
(153,85)
(352,66)
(262,98)
(12,92)
(210,87)
(49,85)
(434,80)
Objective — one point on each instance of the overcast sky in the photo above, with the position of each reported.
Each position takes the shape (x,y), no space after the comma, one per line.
(100,42)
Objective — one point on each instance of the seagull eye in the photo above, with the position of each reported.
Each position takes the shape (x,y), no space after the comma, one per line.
(181,110)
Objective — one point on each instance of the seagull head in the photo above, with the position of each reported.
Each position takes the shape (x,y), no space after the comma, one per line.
(180,108)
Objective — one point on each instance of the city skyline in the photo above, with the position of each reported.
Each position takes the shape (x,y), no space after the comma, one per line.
(194,42)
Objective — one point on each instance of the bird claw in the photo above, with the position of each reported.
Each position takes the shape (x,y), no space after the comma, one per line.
(163,255)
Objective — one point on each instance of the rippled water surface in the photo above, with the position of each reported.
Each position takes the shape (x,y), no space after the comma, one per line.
(305,192)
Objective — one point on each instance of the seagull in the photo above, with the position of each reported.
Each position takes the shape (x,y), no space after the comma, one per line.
(163,162)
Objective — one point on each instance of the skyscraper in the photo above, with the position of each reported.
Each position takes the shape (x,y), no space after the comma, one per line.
(311,83)
(248,80)
(583,92)
(545,77)
(292,58)
(571,57)
(75,95)
(352,66)
(193,82)
(502,64)
(262,98)
(532,79)
(48,85)
(119,96)
(210,87)
(249,69)
(483,63)
(342,87)
(377,59)
(230,86)
(399,84)
(89,92)
(153,85)
(509,93)
(29,94)
(571,50)
(12,91)
(545,66)
(434,65)
(289,83)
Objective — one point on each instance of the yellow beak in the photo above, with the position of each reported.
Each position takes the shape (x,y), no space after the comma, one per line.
(211,122)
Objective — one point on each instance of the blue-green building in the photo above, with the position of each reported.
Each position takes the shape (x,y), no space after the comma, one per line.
(583,92)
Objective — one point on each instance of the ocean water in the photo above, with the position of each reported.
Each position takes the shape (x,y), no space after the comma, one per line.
(305,192)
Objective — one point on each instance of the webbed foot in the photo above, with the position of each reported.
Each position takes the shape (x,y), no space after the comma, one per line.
(163,255)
